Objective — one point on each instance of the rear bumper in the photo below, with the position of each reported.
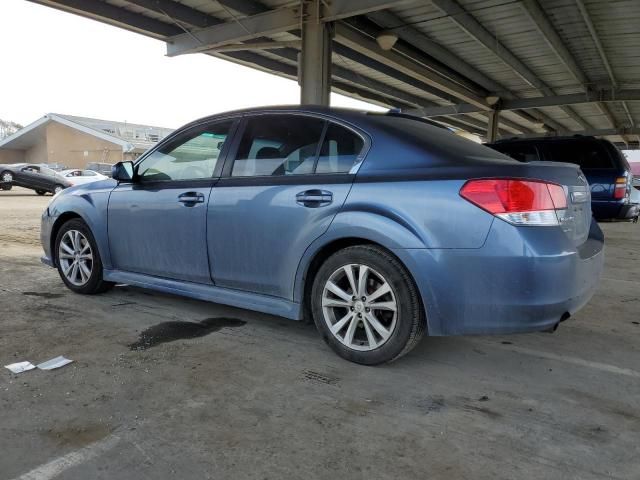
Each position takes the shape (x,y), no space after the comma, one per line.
(629,211)
(524,279)
(615,210)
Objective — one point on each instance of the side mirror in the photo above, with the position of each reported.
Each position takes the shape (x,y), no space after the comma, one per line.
(122,172)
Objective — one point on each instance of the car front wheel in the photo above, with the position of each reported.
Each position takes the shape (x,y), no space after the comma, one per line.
(6,180)
(58,189)
(78,259)
(366,306)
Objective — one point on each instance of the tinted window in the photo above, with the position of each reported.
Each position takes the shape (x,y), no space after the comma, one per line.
(340,150)
(190,157)
(522,153)
(586,154)
(278,145)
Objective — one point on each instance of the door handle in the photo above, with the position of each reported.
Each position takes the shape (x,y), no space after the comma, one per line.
(191,198)
(314,198)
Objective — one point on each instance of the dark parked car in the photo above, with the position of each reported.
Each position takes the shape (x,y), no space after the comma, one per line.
(40,178)
(378,226)
(605,167)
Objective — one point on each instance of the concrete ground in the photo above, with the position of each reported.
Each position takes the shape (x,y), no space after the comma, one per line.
(266,399)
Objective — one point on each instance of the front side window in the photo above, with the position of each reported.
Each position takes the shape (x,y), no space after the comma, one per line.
(274,145)
(190,157)
(340,150)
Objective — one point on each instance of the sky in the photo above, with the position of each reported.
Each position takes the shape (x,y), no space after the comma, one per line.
(56,62)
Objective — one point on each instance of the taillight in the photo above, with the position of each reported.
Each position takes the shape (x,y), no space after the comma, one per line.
(620,190)
(520,202)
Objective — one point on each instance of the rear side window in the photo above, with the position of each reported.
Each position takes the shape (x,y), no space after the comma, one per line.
(521,153)
(340,150)
(274,145)
(588,155)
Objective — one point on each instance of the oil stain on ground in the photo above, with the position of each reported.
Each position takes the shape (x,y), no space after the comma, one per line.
(43,294)
(171,331)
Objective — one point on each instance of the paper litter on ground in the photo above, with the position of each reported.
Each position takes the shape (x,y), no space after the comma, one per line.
(20,367)
(54,363)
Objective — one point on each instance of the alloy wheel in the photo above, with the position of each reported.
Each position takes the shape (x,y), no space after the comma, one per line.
(7,177)
(58,189)
(359,307)
(76,257)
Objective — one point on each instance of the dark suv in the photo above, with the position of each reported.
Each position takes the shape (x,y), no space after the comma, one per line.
(605,167)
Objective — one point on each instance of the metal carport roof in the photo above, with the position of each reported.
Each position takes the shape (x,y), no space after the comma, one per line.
(548,66)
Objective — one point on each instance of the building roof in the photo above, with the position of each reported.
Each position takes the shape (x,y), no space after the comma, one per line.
(130,136)
(552,66)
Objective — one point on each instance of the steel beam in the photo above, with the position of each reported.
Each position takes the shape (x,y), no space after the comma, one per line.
(603,56)
(492,132)
(367,46)
(546,29)
(267,23)
(609,95)
(594,132)
(315,57)
(477,31)
(112,15)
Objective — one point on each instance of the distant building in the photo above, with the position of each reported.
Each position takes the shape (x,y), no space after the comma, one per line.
(76,141)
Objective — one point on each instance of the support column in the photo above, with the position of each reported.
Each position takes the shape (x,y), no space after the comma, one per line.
(494,120)
(314,62)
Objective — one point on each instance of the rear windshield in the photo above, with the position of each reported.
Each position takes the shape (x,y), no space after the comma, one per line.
(518,151)
(589,155)
(436,138)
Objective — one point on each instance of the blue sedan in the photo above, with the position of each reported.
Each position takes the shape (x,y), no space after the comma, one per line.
(380,227)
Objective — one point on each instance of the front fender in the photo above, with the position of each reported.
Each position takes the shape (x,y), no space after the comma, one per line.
(91,207)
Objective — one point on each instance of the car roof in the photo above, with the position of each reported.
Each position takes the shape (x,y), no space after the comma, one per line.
(357,117)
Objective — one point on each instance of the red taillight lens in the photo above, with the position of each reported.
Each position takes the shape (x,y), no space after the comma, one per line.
(500,195)
(620,190)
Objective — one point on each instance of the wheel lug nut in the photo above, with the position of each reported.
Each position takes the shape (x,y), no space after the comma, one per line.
(352,309)
(364,299)
(354,298)
(367,309)
(359,315)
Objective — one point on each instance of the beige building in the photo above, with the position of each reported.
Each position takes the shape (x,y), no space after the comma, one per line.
(76,141)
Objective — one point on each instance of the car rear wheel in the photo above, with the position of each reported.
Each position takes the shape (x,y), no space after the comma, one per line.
(78,259)
(41,192)
(366,306)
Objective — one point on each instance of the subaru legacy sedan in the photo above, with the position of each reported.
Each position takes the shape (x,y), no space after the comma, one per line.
(380,227)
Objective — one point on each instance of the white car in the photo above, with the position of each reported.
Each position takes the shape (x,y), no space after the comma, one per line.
(80,177)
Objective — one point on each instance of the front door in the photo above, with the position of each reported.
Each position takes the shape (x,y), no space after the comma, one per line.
(289,178)
(157,224)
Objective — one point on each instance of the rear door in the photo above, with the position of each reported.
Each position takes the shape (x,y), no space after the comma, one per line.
(289,176)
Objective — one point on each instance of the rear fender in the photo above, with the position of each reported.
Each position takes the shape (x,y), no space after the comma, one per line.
(366,226)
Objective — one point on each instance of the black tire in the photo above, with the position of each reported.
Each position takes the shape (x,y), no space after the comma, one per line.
(41,192)
(95,284)
(410,320)
(6,184)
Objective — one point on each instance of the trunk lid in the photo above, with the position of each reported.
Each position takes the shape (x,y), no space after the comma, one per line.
(575,220)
